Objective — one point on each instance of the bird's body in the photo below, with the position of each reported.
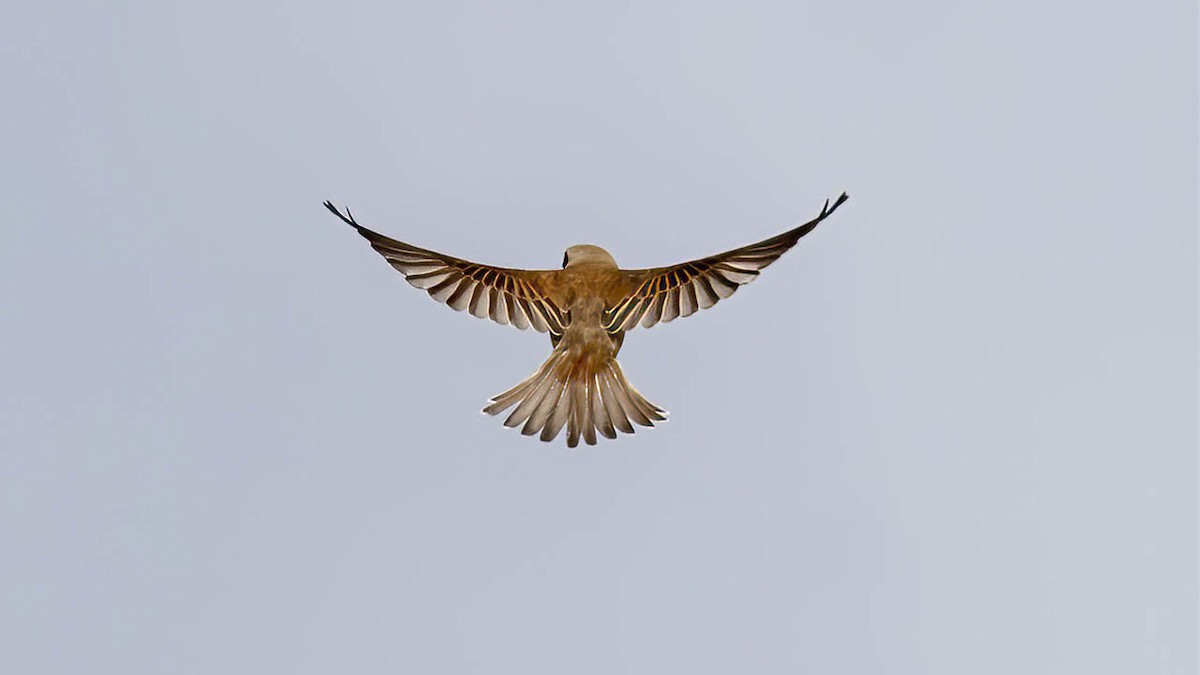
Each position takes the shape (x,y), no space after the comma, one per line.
(582,374)
(586,307)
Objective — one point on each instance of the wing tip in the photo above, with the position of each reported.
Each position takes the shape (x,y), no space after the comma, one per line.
(348,218)
(828,210)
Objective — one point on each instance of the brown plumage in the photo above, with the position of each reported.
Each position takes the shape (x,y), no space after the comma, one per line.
(586,307)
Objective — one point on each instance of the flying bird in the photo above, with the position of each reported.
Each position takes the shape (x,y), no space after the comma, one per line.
(586,307)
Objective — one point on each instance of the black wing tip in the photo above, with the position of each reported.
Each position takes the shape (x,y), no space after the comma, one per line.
(348,218)
(828,210)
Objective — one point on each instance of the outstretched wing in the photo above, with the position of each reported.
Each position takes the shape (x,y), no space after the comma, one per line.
(507,296)
(664,293)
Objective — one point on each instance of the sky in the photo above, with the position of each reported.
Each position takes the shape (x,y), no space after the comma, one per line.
(953,431)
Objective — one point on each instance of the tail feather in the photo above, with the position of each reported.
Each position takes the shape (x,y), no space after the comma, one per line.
(580,424)
(625,397)
(528,404)
(599,413)
(541,416)
(574,417)
(648,409)
(586,394)
(501,402)
(508,398)
(559,411)
(616,412)
(588,406)
(527,395)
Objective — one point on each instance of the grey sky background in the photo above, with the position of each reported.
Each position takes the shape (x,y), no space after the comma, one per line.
(953,431)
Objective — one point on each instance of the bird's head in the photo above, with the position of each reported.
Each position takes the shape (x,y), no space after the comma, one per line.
(586,254)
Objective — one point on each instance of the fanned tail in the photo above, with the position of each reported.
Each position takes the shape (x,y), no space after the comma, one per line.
(586,393)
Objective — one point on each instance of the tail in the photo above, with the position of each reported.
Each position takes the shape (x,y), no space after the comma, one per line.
(587,393)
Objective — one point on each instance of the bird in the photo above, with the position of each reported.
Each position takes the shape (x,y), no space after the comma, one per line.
(586,307)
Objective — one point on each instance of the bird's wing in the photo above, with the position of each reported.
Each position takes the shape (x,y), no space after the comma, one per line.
(664,293)
(508,296)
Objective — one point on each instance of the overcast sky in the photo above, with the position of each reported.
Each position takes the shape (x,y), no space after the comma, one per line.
(953,431)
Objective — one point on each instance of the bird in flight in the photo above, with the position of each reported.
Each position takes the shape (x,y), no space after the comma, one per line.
(586,307)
